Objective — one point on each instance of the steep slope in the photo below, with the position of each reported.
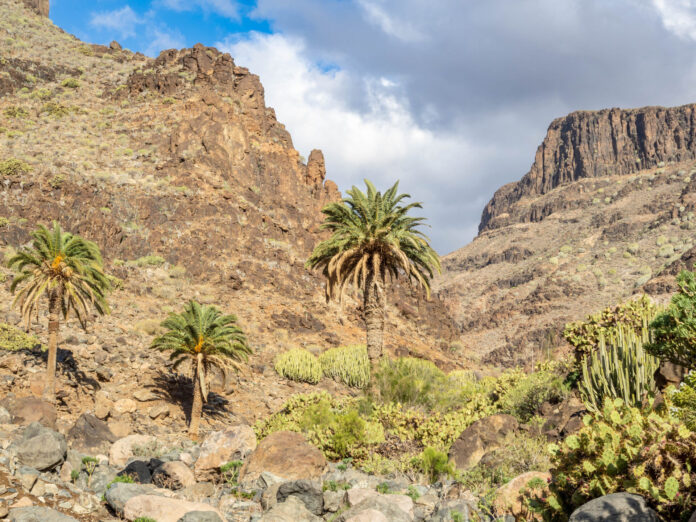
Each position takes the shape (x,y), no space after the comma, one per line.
(606,205)
(180,172)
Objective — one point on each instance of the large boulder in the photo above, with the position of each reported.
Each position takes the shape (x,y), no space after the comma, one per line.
(617,507)
(122,449)
(483,436)
(379,507)
(41,448)
(508,499)
(201,516)
(90,435)
(163,509)
(26,410)
(173,475)
(286,454)
(220,447)
(121,492)
(38,514)
(308,491)
(292,510)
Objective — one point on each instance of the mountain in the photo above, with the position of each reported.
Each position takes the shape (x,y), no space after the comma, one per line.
(176,167)
(607,205)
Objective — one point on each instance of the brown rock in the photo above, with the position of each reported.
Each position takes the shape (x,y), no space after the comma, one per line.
(26,410)
(122,449)
(173,475)
(122,406)
(508,499)
(120,428)
(285,454)
(115,46)
(220,447)
(90,435)
(39,6)
(669,373)
(482,437)
(163,509)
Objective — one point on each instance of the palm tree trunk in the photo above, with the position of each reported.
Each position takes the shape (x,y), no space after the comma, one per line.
(49,392)
(197,406)
(374,320)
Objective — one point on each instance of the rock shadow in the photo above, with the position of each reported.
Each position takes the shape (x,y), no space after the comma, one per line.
(177,388)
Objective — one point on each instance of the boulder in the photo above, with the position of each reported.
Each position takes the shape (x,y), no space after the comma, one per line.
(41,448)
(38,514)
(122,449)
(285,454)
(617,507)
(368,515)
(201,516)
(292,510)
(220,447)
(5,417)
(163,509)
(669,373)
(26,410)
(308,491)
(90,435)
(121,492)
(173,475)
(122,406)
(391,507)
(508,499)
(562,419)
(481,437)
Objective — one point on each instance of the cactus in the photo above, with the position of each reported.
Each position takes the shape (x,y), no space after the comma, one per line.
(298,365)
(347,364)
(619,368)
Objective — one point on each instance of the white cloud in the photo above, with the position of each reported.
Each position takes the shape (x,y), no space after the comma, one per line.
(164,39)
(392,26)
(123,21)
(678,16)
(382,142)
(228,8)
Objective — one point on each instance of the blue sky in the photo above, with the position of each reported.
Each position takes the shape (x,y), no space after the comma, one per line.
(452,97)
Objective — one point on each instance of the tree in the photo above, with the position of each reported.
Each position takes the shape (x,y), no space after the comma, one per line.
(69,271)
(373,240)
(206,339)
(674,330)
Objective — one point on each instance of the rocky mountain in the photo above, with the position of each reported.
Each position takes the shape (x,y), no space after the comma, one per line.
(176,167)
(607,204)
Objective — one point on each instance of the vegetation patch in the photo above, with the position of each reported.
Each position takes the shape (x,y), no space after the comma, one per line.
(347,364)
(13,339)
(298,365)
(14,167)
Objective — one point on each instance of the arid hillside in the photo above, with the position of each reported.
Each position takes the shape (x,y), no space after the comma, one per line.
(606,206)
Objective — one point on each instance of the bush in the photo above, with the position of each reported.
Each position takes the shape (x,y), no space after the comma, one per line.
(524,397)
(625,449)
(684,400)
(298,365)
(13,339)
(16,112)
(434,463)
(14,167)
(347,364)
(70,83)
(150,260)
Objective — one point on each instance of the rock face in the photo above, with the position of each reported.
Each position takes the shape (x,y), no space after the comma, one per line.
(617,507)
(482,437)
(285,454)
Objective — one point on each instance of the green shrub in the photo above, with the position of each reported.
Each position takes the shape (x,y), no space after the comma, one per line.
(298,365)
(126,479)
(70,83)
(230,471)
(55,110)
(4,222)
(434,463)
(347,364)
(524,398)
(13,339)
(349,432)
(624,449)
(150,260)
(145,519)
(684,400)
(411,382)
(16,112)
(14,167)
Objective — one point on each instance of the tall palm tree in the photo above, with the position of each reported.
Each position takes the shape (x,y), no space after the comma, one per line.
(206,339)
(373,239)
(69,271)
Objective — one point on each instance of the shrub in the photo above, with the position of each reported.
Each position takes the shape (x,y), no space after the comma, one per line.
(150,260)
(434,464)
(126,479)
(347,364)
(624,449)
(56,110)
(230,471)
(13,339)
(675,328)
(70,83)
(619,368)
(349,432)
(684,400)
(14,167)
(524,398)
(4,222)
(298,365)
(16,112)
(411,382)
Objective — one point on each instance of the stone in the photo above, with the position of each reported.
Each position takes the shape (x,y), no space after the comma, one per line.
(38,514)
(285,454)
(26,410)
(120,428)
(562,419)
(481,437)
(669,373)
(5,417)
(617,507)
(392,508)
(163,509)
(220,447)
(145,395)
(159,411)
(22,502)
(201,516)
(292,510)
(27,477)
(41,448)
(308,491)
(115,46)
(90,435)
(122,449)
(507,497)
(121,492)
(368,515)
(122,406)
(139,469)
(102,405)
(333,501)
(173,475)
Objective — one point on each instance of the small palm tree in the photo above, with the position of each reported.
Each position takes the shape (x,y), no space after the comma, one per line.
(69,271)
(207,340)
(373,239)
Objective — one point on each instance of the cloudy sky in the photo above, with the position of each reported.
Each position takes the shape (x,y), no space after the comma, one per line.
(451,97)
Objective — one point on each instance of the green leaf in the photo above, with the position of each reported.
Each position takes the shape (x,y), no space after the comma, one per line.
(572,442)
(588,467)
(671,488)
(644,483)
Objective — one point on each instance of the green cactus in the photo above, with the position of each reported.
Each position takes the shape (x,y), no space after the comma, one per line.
(298,365)
(347,364)
(619,368)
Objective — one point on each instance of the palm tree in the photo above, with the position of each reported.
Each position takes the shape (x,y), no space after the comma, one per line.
(373,239)
(69,271)
(207,340)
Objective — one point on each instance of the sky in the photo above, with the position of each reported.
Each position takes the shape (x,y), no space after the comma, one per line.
(451,97)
